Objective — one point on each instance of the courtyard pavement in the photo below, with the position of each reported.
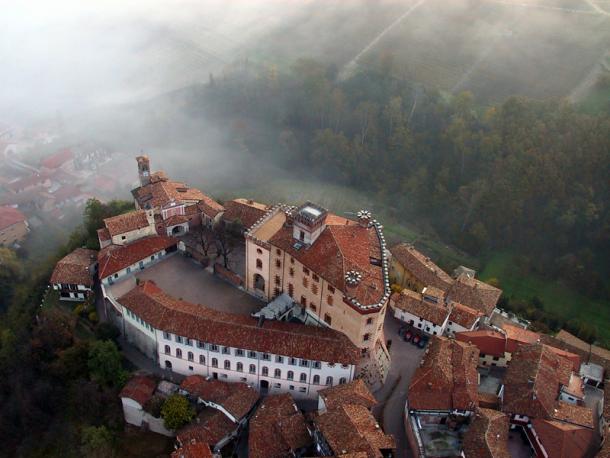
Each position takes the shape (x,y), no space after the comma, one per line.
(393,395)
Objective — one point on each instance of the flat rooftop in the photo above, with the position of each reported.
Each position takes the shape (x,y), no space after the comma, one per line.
(184,278)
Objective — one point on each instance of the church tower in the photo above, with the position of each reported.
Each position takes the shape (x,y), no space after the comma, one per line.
(143,169)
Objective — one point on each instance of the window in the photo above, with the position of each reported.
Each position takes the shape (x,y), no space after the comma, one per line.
(259,264)
(302,389)
(303,377)
(277,280)
(123,237)
(227,364)
(276,291)
(279,359)
(303,301)
(291,260)
(240,367)
(265,371)
(291,272)
(305,282)
(128,269)
(200,344)
(292,361)
(277,385)
(291,387)
(329,381)
(342,380)
(259,251)
(366,337)
(313,307)
(252,369)
(314,288)
(331,289)
(226,350)
(278,252)
(344,366)
(278,263)
(317,365)
(190,368)
(304,363)
(495,358)
(239,352)
(277,373)
(168,351)
(327,319)
(167,335)
(179,339)
(190,356)
(266,357)
(188,342)
(329,300)
(252,354)
(301,235)
(290,290)
(214,362)
(152,258)
(178,353)
(305,270)
(243,379)
(315,277)
(201,359)
(316,379)
(290,375)
(213,347)
(369,321)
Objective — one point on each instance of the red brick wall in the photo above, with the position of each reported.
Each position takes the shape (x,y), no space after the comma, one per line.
(227,275)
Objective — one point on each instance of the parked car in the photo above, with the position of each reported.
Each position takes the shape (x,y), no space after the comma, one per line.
(415,340)
(402,330)
(407,336)
(423,342)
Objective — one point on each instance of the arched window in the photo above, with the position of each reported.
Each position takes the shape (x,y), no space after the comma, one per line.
(316,379)
(227,364)
(178,353)
(329,381)
(342,380)
(265,370)
(290,375)
(168,351)
(201,359)
(240,367)
(252,369)
(277,373)
(303,377)
(366,337)
(190,356)
(259,251)
(259,264)
(214,362)
(168,364)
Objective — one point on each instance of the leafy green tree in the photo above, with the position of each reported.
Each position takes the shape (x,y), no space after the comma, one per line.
(97,442)
(176,412)
(105,365)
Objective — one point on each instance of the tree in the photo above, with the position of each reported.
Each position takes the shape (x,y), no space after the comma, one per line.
(224,243)
(97,442)
(105,364)
(206,239)
(176,412)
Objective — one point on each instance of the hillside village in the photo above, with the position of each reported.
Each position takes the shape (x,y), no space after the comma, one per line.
(294,331)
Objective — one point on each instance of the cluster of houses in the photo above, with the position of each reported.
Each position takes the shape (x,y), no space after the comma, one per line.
(229,415)
(485,385)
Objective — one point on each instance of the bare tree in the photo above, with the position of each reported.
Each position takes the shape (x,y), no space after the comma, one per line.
(206,240)
(224,243)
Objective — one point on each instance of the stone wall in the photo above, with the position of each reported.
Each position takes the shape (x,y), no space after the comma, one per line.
(227,275)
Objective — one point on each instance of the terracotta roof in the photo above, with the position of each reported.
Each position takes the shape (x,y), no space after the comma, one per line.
(75,268)
(517,336)
(238,331)
(487,436)
(10,216)
(175,220)
(474,294)
(193,450)
(277,428)
(57,159)
(605,450)
(533,380)
(103,235)
(114,258)
(140,388)
(210,427)
(570,339)
(447,377)
(607,401)
(338,250)
(421,267)
(573,414)
(464,316)
(352,428)
(246,212)
(415,304)
(488,342)
(26,182)
(236,398)
(355,392)
(126,222)
(563,440)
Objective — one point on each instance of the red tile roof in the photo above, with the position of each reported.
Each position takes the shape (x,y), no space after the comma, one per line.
(10,216)
(26,182)
(126,222)
(57,159)
(236,398)
(140,388)
(414,303)
(115,258)
(103,235)
(517,336)
(75,268)
(532,381)
(488,342)
(175,220)
(277,428)
(244,211)
(421,267)
(193,450)
(563,440)
(351,429)
(355,392)
(238,331)
(447,378)
(474,294)
(464,316)
(487,436)
(210,427)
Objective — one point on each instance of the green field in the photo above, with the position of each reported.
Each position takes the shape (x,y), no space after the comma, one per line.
(556,297)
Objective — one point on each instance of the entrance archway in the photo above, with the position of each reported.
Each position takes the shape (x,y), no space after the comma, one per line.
(264,386)
(168,364)
(259,282)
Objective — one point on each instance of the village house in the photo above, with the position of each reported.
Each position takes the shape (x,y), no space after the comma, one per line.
(272,356)
(13,226)
(177,207)
(536,397)
(278,429)
(241,214)
(63,159)
(128,227)
(487,435)
(345,425)
(335,268)
(193,450)
(442,397)
(73,275)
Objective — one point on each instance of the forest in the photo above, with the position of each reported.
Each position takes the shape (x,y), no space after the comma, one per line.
(528,177)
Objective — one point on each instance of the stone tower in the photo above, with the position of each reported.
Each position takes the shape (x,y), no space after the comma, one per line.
(143,169)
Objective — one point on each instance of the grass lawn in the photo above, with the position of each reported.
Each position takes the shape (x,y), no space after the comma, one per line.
(596,101)
(556,297)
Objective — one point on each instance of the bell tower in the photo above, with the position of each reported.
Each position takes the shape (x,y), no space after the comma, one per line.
(143,169)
